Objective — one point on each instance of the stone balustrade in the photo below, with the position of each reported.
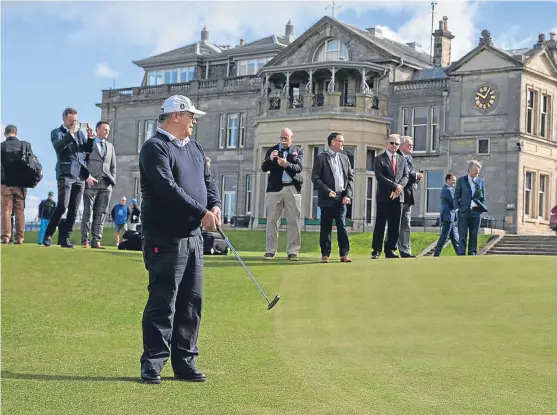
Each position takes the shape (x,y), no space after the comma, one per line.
(330,102)
(205,86)
(420,85)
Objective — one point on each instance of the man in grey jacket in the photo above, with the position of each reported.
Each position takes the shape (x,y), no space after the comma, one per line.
(101,163)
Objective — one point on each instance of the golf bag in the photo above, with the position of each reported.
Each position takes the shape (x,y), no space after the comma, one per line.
(131,241)
(214,244)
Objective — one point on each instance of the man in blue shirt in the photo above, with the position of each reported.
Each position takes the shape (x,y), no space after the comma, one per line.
(178,196)
(120,215)
(448,216)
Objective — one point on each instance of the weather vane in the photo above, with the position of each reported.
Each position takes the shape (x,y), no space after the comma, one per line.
(333,7)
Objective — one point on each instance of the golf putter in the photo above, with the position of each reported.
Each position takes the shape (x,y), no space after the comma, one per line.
(270,304)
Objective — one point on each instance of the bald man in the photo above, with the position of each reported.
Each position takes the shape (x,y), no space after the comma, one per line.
(284,162)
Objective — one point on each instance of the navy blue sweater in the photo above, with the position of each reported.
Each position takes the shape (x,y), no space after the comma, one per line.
(176,186)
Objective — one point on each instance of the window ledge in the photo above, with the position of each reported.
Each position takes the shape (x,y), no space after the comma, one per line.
(536,221)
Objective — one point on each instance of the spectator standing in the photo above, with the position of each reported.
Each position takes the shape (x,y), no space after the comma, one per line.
(120,216)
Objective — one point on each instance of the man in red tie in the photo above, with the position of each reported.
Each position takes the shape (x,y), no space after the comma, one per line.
(391,173)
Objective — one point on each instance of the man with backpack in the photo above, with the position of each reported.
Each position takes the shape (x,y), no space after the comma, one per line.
(18,161)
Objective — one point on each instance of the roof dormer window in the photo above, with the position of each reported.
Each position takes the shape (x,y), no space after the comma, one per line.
(332,50)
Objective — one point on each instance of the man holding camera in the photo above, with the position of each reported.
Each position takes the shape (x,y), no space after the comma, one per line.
(70,145)
(284,163)
(414,177)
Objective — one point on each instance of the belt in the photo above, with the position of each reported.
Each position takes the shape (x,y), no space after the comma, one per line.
(288,184)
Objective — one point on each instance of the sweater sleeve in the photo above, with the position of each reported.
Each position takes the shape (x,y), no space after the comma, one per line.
(155,160)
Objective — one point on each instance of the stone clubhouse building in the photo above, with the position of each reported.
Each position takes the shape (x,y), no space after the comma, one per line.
(496,106)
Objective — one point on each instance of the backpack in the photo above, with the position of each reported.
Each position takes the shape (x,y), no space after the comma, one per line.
(132,241)
(31,171)
(213,244)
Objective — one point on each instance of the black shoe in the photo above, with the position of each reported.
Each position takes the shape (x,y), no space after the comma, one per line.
(150,376)
(375,254)
(67,244)
(404,255)
(391,254)
(47,241)
(190,375)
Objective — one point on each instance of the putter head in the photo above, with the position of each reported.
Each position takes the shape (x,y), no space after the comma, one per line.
(274,302)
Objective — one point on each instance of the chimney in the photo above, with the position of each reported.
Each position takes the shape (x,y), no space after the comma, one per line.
(241,42)
(289,31)
(414,45)
(376,32)
(552,46)
(442,44)
(541,41)
(204,34)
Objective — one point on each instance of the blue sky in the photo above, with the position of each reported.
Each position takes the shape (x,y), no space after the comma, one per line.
(61,54)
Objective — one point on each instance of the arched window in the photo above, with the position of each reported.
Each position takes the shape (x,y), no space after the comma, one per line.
(331,50)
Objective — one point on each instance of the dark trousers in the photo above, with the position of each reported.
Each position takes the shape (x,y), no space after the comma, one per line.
(337,212)
(387,213)
(95,201)
(70,192)
(173,312)
(469,223)
(448,230)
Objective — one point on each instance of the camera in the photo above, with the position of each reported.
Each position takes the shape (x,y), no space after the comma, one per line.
(82,125)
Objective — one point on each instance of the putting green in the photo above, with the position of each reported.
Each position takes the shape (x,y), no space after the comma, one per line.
(467,335)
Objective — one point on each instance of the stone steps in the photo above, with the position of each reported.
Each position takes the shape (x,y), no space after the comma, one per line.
(525,245)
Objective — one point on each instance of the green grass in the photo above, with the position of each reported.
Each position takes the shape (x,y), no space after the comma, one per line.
(465,335)
(254,241)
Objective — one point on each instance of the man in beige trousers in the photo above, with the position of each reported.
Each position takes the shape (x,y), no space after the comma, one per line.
(284,162)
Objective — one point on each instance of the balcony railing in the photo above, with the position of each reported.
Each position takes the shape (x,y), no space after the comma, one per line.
(243,84)
(419,85)
(330,102)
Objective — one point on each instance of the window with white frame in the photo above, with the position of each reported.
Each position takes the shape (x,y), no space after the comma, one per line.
(171,76)
(145,130)
(419,128)
(528,181)
(229,185)
(136,189)
(483,146)
(543,115)
(222,130)
(370,159)
(369,199)
(242,134)
(434,184)
(434,133)
(315,210)
(530,111)
(542,188)
(250,66)
(232,136)
(249,192)
(331,50)
(405,121)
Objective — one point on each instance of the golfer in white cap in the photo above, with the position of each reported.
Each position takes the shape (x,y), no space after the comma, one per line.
(178,196)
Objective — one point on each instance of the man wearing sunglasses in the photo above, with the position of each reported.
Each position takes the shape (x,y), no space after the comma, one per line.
(178,196)
(391,173)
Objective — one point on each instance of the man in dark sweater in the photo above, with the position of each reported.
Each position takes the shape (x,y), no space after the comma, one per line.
(178,196)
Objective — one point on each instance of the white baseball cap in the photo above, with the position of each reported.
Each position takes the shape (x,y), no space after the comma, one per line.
(180,103)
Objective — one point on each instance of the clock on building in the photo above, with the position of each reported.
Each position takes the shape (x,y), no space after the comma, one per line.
(485,97)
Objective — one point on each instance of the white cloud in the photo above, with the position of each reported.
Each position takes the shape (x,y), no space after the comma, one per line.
(512,39)
(461,16)
(105,71)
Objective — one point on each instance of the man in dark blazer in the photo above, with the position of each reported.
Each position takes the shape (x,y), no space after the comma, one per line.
(284,162)
(101,163)
(333,178)
(414,177)
(70,145)
(447,216)
(469,199)
(391,173)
